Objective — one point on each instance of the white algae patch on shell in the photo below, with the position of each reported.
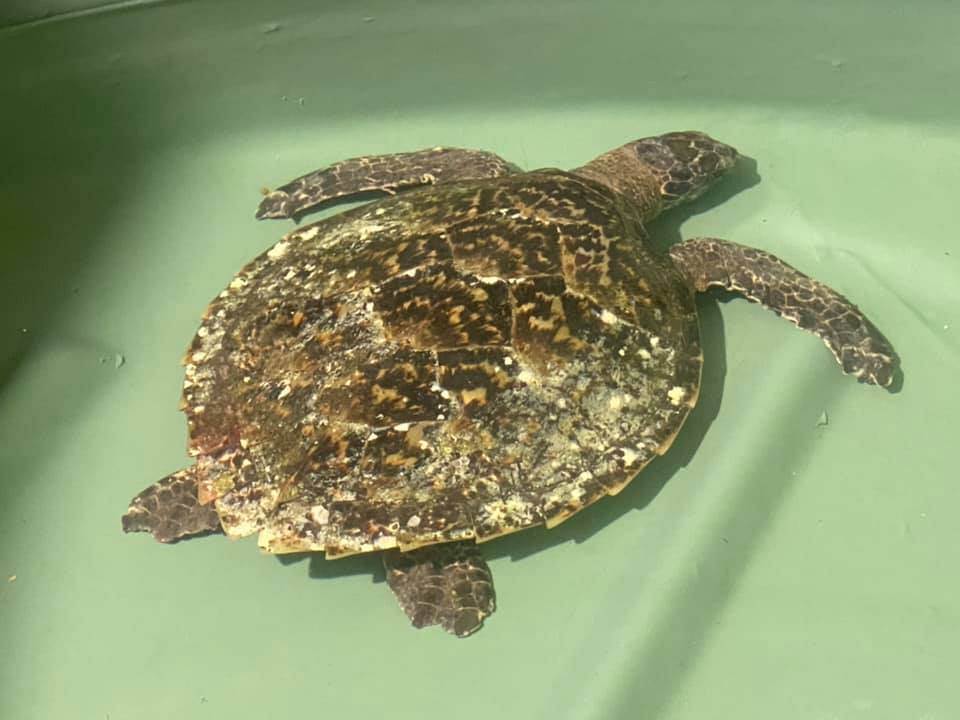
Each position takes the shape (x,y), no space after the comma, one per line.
(676,395)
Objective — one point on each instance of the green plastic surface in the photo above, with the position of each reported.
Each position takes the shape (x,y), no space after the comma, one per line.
(771,566)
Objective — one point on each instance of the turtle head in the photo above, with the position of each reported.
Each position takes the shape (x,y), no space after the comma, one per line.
(684,163)
(664,170)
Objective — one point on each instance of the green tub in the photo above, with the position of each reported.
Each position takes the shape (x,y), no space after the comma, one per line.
(793,557)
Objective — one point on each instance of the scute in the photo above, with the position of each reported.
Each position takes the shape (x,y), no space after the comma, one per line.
(457,362)
(438,306)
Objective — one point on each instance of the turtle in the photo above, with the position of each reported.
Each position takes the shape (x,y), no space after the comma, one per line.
(476,350)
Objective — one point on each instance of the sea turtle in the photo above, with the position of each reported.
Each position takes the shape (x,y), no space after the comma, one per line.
(491,351)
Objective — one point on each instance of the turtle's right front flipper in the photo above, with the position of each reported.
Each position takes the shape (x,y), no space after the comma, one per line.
(171,510)
(856,343)
(380,173)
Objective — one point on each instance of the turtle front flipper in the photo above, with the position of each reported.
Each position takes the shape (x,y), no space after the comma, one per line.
(860,348)
(171,511)
(448,585)
(380,173)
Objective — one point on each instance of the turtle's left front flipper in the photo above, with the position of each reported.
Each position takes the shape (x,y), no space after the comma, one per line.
(448,585)
(171,510)
(384,173)
(860,348)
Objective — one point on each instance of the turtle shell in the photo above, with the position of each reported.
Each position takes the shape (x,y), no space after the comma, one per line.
(457,362)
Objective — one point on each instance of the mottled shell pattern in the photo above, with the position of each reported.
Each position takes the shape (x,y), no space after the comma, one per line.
(457,362)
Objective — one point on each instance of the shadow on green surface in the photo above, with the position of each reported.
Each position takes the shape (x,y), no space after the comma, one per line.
(69,169)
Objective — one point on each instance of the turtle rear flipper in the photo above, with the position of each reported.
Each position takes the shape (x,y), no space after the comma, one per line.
(171,511)
(380,173)
(860,348)
(448,585)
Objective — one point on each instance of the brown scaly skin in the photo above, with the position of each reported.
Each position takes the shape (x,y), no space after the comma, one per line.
(448,585)
(856,343)
(660,172)
(494,351)
(169,509)
(380,173)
